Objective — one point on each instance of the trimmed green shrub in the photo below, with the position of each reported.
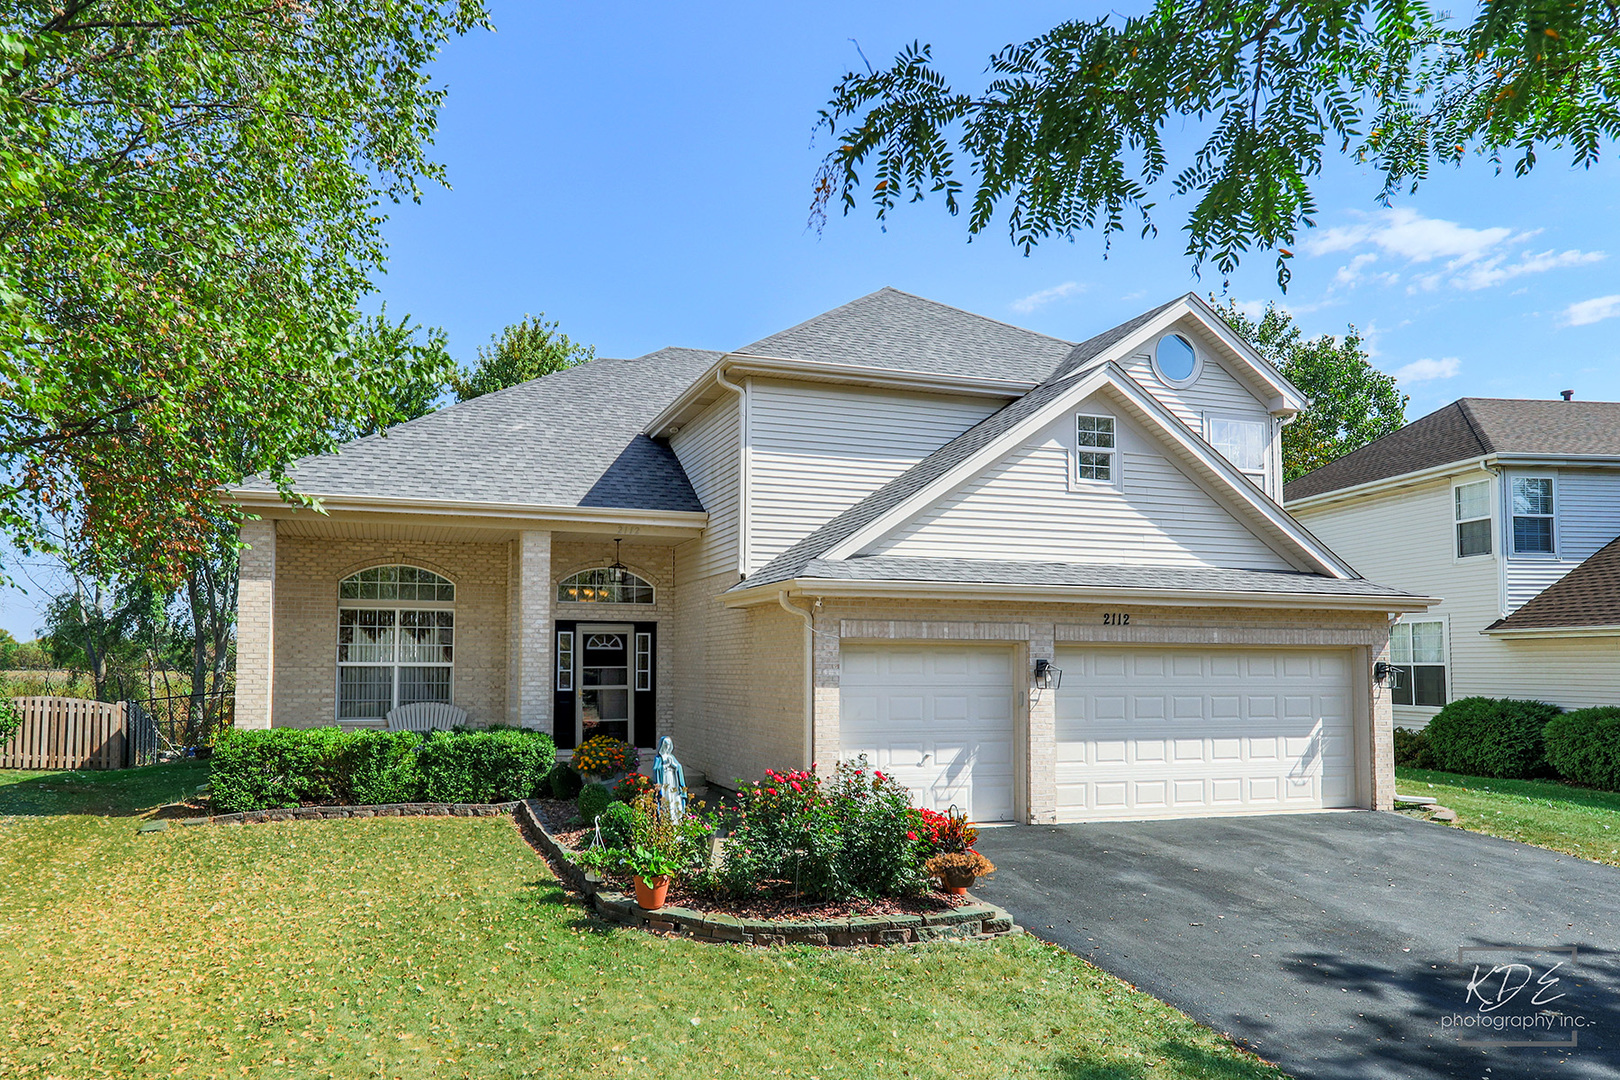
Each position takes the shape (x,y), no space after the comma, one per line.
(284,767)
(593,799)
(618,825)
(1412,749)
(564,781)
(485,766)
(1583,746)
(1483,736)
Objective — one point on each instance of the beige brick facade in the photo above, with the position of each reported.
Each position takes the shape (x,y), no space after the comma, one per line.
(255,623)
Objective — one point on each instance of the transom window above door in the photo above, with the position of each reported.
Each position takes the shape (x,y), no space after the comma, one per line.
(605,585)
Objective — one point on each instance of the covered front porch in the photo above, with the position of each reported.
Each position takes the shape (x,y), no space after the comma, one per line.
(344,617)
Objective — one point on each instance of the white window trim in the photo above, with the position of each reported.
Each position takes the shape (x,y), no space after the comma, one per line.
(1261,476)
(1490,517)
(1445,652)
(643,662)
(1083,483)
(1198,361)
(1508,515)
(398,607)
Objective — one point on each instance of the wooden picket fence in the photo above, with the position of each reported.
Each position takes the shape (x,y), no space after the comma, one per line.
(69,733)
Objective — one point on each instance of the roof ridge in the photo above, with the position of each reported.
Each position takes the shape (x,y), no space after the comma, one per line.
(1468,418)
(974,314)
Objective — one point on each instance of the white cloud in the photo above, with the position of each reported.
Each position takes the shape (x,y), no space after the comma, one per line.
(1586,312)
(1046,296)
(1426,370)
(1473,258)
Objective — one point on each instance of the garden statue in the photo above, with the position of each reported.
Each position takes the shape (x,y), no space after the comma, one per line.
(670,778)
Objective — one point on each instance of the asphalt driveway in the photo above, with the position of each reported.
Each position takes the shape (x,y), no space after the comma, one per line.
(1328,943)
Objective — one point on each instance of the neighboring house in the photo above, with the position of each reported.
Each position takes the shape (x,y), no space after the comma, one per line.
(862,535)
(1509,510)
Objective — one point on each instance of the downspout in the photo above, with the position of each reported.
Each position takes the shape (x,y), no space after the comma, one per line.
(809,676)
(744,524)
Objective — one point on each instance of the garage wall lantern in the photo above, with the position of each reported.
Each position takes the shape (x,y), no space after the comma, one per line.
(1047,677)
(1387,676)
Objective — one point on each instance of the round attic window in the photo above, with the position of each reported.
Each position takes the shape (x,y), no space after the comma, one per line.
(1175,360)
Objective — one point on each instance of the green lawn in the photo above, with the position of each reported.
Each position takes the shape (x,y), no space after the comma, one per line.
(1578,821)
(443,947)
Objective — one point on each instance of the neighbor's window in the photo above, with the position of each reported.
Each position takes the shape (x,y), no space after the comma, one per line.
(1472,503)
(1418,651)
(605,585)
(1242,442)
(1095,449)
(396,640)
(1532,515)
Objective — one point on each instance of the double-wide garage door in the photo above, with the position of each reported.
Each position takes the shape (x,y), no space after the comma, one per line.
(1151,732)
(1141,731)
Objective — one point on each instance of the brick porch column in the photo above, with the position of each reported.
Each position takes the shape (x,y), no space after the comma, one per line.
(1040,751)
(255,623)
(529,633)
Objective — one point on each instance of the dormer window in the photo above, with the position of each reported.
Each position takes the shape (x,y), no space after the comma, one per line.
(1175,361)
(1245,443)
(1094,449)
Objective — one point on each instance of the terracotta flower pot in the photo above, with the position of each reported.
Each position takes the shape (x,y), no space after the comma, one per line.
(650,894)
(957,883)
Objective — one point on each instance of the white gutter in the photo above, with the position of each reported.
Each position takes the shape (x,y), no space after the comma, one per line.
(1072,594)
(809,676)
(325,504)
(1554,631)
(1419,476)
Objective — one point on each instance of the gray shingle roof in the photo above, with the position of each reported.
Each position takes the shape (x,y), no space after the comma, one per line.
(1588,595)
(893,329)
(1469,428)
(569,439)
(1196,578)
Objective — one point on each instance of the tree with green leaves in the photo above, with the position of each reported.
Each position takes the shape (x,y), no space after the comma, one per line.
(1352,402)
(523,351)
(1069,133)
(190,212)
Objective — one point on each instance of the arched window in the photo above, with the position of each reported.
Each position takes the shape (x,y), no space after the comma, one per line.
(605,585)
(396,640)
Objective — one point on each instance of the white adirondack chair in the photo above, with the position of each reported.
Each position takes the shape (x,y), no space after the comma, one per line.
(425,716)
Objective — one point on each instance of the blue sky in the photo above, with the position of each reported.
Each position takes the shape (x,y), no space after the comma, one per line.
(641,173)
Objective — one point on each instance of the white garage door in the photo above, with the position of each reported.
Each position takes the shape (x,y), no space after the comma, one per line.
(938,718)
(1146,732)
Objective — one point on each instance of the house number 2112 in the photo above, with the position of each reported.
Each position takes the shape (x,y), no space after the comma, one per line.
(1116,618)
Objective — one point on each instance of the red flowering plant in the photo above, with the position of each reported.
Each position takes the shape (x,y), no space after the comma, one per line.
(633,785)
(851,834)
(949,839)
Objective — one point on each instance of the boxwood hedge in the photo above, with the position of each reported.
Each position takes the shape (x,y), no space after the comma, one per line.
(1583,745)
(1491,737)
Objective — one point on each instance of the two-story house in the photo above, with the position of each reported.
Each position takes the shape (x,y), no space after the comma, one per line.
(1036,579)
(1509,511)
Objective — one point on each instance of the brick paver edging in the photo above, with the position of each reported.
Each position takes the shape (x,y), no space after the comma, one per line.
(330,813)
(979,922)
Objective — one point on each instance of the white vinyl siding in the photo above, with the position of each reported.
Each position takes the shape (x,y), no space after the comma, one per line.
(1024,508)
(1406,539)
(710,451)
(1586,507)
(816,450)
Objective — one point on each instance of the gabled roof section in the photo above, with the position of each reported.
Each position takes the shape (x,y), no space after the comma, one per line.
(1587,597)
(998,434)
(1470,428)
(894,329)
(569,439)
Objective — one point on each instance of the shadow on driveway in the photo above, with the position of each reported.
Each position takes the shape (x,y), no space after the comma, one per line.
(1328,943)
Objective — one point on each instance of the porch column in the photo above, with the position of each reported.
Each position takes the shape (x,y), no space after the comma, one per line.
(528,652)
(255,623)
(1040,751)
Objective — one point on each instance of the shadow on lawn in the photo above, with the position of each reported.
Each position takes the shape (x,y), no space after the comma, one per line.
(111,793)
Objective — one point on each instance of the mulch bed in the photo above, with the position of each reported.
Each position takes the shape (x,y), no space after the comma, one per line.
(562,822)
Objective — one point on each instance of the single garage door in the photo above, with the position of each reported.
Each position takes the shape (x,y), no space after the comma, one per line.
(1145,732)
(938,718)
